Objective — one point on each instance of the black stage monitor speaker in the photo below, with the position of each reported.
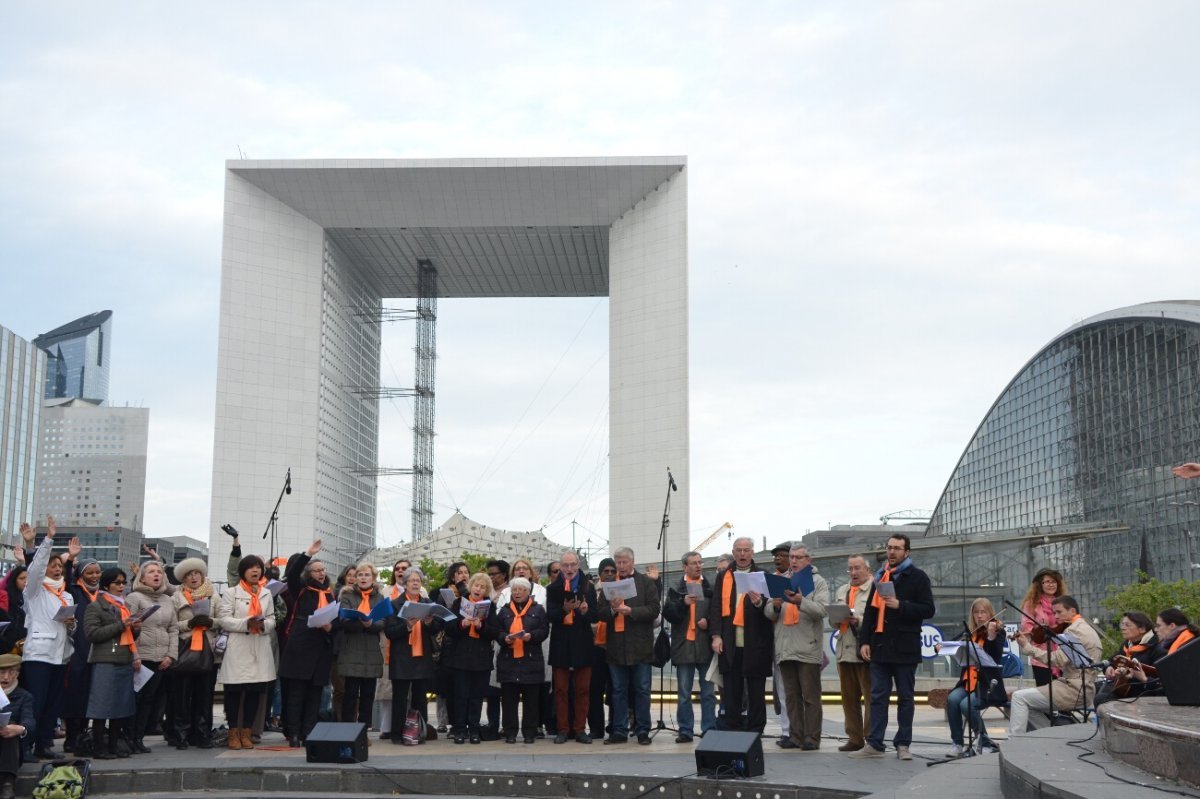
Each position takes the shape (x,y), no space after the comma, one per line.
(337,742)
(729,754)
(1178,674)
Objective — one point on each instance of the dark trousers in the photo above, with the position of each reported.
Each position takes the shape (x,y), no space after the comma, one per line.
(599,694)
(510,692)
(563,693)
(304,707)
(10,755)
(243,702)
(466,695)
(738,687)
(46,682)
(408,695)
(192,701)
(883,675)
(357,700)
(148,701)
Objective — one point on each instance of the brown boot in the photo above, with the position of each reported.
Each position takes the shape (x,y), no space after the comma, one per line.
(246,742)
(235,738)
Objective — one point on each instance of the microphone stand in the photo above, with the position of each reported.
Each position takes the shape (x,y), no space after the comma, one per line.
(662,576)
(1053,714)
(273,523)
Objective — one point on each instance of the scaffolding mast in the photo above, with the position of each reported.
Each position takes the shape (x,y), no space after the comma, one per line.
(423,405)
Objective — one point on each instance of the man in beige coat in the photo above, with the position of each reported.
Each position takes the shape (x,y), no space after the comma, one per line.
(799,630)
(1070,690)
(853,674)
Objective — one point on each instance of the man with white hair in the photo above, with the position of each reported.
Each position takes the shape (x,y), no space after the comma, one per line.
(571,607)
(630,649)
(743,641)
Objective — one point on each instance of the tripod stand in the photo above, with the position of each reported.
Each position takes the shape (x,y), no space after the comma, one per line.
(662,547)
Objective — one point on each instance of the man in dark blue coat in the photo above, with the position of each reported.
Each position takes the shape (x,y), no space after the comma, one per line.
(890,641)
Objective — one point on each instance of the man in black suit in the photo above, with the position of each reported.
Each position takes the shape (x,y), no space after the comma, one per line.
(890,640)
(743,639)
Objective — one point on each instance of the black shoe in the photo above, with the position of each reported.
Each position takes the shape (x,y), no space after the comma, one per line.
(510,738)
(583,738)
(204,743)
(460,739)
(294,741)
(441,728)
(105,754)
(616,739)
(475,738)
(182,745)
(786,743)
(385,736)
(122,749)
(809,748)
(644,739)
(561,738)
(138,747)
(683,739)
(530,739)
(45,754)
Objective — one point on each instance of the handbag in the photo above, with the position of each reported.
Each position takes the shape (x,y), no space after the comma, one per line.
(414,729)
(662,648)
(191,661)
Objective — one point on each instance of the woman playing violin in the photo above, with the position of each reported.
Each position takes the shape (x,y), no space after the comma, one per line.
(978,687)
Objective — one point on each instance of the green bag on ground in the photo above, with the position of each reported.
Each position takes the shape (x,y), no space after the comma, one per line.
(60,782)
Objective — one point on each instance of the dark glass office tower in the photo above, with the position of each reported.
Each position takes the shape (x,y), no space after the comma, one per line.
(78,358)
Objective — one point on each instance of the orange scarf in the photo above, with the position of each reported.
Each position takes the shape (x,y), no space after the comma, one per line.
(322,596)
(691,630)
(127,632)
(601,633)
(569,617)
(91,595)
(791,613)
(416,640)
(395,590)
(844,626)
(255,605)
(58,592)
(197,641)
(364,604)
(739,615)
(619,619)
(518,626)
(1180,640)
(877,600)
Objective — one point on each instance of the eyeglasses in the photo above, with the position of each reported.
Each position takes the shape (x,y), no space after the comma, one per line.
(493,574)
(118,581)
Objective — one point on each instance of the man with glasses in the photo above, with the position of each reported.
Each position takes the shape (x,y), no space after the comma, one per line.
(630,649)
(799,623)
(686,609)
(853,674)
(571,607)
(743,641)
(890,641)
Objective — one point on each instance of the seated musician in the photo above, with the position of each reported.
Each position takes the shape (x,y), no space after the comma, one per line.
(1070,690)
(1174,631)
(1140,644)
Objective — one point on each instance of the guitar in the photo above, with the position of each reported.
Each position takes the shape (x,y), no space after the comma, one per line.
(1123,683)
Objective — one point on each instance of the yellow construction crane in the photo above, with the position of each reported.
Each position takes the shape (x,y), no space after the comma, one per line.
(713,536)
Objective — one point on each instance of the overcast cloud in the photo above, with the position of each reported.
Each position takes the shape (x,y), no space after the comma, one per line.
(892,207)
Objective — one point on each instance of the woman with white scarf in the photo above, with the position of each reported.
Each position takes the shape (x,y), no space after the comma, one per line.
(48,645)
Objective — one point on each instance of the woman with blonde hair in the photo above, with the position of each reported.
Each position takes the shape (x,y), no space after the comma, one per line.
(467,655)
(158,643)
(359,658)
(192,693)
(977,687)
(411,665)
(1046,586)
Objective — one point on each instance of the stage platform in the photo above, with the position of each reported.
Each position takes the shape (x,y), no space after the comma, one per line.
(1155,737)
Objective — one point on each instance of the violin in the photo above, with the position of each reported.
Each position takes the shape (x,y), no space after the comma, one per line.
(1038,634)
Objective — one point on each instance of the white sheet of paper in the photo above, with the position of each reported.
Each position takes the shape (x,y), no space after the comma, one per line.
(141,677)
(751,581)
(949,647)
(696,590)
(5,719)
(620,589)
(971,654)
(3,699)
(275,587)
(837,613)
(64,613)
(416,611)
(1073,648)
(4,624)
(448,596)
(473,610)
(325,615)
(885,590)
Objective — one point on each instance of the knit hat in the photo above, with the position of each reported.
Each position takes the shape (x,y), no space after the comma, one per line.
(606,563)
(81,564)
(188,565)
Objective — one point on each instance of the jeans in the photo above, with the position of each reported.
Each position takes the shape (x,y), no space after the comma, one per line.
(685,673)
(957,707)
(635,678)
(882,677)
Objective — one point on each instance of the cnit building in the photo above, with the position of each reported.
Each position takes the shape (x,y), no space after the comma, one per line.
(312,247)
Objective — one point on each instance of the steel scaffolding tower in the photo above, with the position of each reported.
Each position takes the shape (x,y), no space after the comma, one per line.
(423,405)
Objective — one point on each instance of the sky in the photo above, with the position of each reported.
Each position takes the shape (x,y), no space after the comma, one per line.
(892,208)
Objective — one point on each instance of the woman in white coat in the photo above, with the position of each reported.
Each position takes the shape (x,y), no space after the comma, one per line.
(246,613)
(48,645)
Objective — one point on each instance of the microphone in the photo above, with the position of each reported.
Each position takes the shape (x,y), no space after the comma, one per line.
(287,484)
(671,478)
(993,685)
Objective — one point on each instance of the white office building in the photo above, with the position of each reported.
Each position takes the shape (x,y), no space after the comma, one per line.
(309,245)
(22,373)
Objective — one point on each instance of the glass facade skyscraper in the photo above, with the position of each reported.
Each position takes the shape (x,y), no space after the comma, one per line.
(78,354)
(1085,436)
(22,371)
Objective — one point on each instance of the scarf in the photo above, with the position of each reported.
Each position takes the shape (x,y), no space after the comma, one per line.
(416,639)
(197,641)
(91,595)
(601,633)
(518,626)
(791,613)
(851,598)
(364,604)
(1180,640)
(1130,649)
(691,630)
(323,595)
(571,585)
(126,632)
(55,587)
(395,591)
(255,608)
(739,615)
(884,575)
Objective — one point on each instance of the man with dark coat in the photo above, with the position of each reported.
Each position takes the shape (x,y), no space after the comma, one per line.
(630,649)
(20,728)
(691,647)
(889,639)
(743,639)
(571,608)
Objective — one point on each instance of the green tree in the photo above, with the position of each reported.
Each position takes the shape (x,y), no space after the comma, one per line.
(1149,596)
(435,573)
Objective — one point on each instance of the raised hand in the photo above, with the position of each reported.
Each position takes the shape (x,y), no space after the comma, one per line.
(1187,471)
(313,548)
(28,534)
(74,547)
(51,526)
(152,552)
